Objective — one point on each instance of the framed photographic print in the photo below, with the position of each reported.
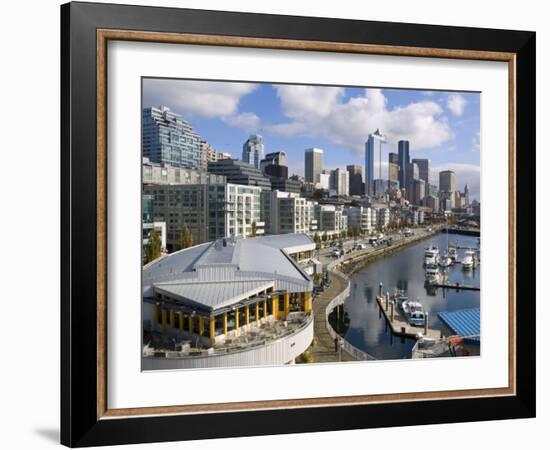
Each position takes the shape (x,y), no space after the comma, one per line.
(277,224)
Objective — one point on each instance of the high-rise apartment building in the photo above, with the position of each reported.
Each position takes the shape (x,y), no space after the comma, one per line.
(373,160)
(290,213)
(168,138)
(313,164)
(253,150)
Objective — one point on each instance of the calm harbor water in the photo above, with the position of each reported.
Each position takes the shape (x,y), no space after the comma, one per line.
(404,269)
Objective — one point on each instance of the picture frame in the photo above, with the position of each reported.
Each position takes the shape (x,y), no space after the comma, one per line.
(86,418)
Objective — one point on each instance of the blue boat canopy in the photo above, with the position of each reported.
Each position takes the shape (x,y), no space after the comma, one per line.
(464,322)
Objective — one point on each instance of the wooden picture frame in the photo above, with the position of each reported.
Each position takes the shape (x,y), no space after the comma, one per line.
(85,30)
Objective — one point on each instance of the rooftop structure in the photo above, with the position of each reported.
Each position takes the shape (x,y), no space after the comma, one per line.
(464,322)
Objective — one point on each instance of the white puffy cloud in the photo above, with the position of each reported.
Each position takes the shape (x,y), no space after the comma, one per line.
(247,121)
(203,98)
(323,111)
(456,104)
(465,174)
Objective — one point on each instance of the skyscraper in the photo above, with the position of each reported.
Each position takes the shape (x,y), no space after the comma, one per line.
(418,192)
(404,162)
(423,169)
(313,164)
(167,138)
(447,181)
(393,158)
(466,196)
(373,159)
(253,150)
(339,181)
(275,165)
(393,172)
(355,172)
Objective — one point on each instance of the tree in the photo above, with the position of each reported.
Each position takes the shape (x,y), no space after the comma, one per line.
(186,238)
(253,232)
(325,237)
(152,250)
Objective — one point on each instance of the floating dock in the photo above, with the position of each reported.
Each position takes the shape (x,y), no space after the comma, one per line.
(457,286)
(398,323)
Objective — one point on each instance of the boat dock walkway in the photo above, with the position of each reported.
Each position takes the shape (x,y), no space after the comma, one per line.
(397,321)
(457,286)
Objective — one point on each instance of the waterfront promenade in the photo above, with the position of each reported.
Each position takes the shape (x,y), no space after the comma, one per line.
(323,350)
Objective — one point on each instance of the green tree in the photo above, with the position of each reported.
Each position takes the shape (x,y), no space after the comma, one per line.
(253,232)
(186,238)
(325,237)
(152,250)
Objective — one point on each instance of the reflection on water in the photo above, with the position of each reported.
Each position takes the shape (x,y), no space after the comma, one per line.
(404,270)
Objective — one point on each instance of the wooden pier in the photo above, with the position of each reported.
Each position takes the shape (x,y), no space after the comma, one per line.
(457,286)
(398,323)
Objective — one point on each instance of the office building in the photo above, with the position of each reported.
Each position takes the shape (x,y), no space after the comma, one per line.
(393,172)
(275,165)
(331,219)
(404,163)
(373,160)
(239,172)
(355,172)
(253,150)
(423,169)
(447,181)
(418,192)
(168,139)
(393,158)
(313,164)
(324,181)
(285,184)
(339,182)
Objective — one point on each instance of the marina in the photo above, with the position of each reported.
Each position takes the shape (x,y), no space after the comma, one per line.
(387,334)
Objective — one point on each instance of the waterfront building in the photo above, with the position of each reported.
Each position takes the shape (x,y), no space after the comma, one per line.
(239,172)
(168,138)
(209,211)
(219,305)
(404,162)
(356,185)
(163,173)
(447,181)
(423,165)
(466,324)
(253,150)
(361,218)
(418,192)
(339,182)
(331,219)
(275,164)
(382,217)
(290,213)
(313,164)
(373,160)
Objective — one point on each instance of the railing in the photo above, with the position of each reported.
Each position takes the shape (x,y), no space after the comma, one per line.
(358,354)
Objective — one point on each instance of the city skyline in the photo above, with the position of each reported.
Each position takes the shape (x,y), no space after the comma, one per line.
(227,113)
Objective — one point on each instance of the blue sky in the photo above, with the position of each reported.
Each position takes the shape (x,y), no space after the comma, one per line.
(441,126)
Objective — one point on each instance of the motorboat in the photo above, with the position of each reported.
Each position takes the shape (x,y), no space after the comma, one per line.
(468,260)
(431,256)
(414,312)
(453,254)
(400,297)
(432,274)
(445,260)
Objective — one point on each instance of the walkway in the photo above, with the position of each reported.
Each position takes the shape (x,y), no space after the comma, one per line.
(323,350)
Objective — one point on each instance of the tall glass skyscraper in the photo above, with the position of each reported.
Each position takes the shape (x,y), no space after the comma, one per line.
(168,138)
(253,150)
(313,164)
(373,160)
(404,163)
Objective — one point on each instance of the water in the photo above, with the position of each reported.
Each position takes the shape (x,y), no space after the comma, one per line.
(404,269)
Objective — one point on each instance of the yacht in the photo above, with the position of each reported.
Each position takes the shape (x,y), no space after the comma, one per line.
(453,253)
(414,312)
(468,260)
(431,256)
(445,260)
(432,275)
(400,297)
